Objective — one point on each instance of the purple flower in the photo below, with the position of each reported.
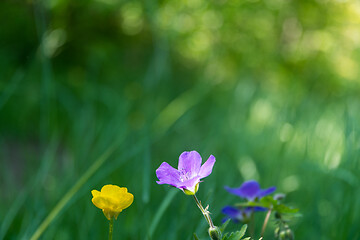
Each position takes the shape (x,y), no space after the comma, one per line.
(188,174)
(250,190)
(239,214)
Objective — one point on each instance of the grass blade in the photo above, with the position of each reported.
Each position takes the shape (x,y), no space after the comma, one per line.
(70,194)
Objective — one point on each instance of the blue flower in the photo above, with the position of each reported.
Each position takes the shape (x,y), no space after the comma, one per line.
(239,214)
(250,190)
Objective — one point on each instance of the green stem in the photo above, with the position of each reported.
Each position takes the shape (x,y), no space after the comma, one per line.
(265,222)
(111,227)
(204,212)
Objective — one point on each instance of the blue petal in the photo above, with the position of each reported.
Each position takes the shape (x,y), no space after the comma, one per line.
(231,212)
(234,191)
(259,209)
(248,190)
(265,192)
(237,214)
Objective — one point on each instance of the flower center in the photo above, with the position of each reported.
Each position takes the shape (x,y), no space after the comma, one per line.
(184,175)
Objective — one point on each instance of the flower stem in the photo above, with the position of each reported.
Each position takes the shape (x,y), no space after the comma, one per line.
(111,226)
(205,212)
(265,222)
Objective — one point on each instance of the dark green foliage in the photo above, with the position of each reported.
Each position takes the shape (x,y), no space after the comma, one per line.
(270,88)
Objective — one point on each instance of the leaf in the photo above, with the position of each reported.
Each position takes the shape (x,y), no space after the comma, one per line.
(248,238)
(225,236)
(234,236)
(281,208)
(222,228)
(269,201)
(266,202)
(238,234)
(243,230)
(196,237)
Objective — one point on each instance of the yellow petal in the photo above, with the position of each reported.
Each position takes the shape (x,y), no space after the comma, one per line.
(125,201)
(113,191)
(95,193)
(112,200)
(106,203)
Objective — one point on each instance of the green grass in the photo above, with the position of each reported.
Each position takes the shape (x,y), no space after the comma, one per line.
(105,106)
(57,200)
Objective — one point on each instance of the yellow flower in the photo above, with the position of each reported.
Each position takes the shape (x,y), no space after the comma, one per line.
(112,200)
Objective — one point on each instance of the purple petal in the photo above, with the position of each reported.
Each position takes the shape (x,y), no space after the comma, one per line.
(237,214)
(249,210)
(265,192)
(248,190)
(168,175)
(259,209)
(231,212)
(246,212)
(190,184)
(189,164)
(232,190)
(207,167)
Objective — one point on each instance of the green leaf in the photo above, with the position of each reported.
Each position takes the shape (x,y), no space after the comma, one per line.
(281,208)
(234,236)
(196,237)
(222,228)
(266,202)
(225,236)
(248,238)
(238,234)
(269,201)
(243,230)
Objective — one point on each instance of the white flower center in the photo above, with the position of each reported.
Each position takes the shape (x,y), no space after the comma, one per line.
(184,175)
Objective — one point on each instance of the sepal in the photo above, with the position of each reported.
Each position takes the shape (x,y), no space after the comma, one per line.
(215,233)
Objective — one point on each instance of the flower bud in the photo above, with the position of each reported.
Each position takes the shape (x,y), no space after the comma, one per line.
(286,234)
(282,235)
(289,234)
(215,233)
(276,232)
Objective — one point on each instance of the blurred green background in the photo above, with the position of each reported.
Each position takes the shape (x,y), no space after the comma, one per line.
(103,91)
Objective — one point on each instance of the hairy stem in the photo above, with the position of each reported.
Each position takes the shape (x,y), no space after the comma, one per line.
(205,212)
(265,222)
